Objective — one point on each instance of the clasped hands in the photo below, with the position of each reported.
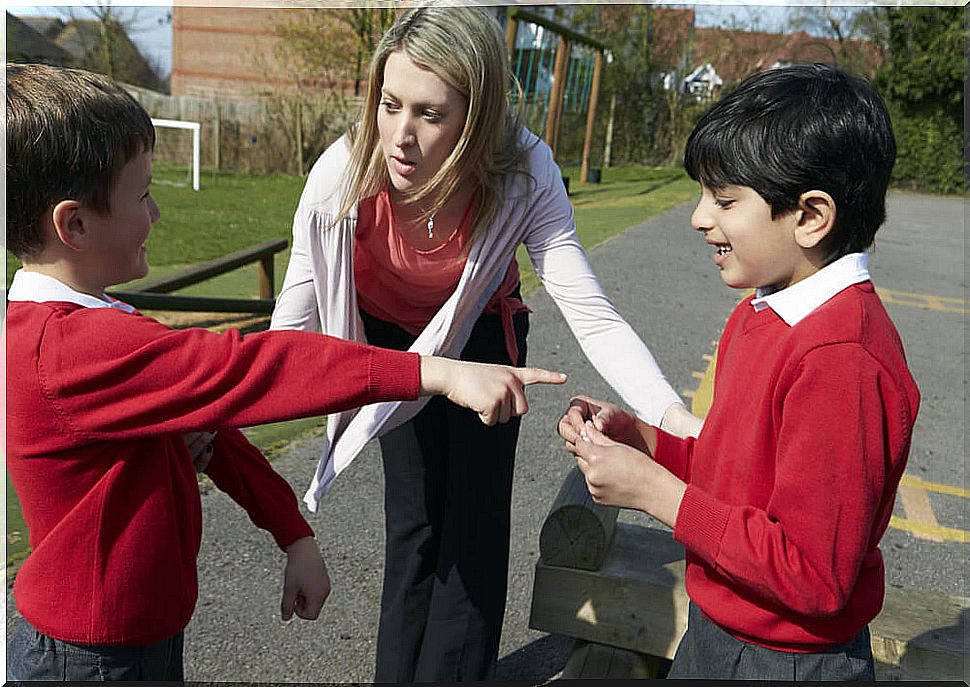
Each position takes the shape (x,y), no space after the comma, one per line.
(614,450)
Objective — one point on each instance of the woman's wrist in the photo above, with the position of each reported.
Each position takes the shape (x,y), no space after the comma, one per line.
(680,422)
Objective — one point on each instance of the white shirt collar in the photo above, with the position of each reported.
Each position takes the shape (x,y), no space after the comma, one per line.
(40,288)
(797,301)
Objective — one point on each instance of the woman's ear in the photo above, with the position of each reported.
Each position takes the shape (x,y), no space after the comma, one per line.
(68,224)
(816,217)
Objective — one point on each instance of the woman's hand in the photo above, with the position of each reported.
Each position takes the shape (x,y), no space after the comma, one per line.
(495,392)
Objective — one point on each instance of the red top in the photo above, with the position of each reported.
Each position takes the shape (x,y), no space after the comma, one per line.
(97,401)
(792,480)
(406,286)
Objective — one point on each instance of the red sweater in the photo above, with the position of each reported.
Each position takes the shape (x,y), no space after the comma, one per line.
(97,401)
(792,480)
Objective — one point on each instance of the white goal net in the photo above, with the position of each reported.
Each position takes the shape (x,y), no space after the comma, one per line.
(177,145)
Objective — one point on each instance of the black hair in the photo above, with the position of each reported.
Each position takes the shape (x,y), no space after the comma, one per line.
(788,130)
(69,134)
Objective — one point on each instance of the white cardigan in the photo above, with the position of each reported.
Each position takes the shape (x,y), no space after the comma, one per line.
(318,294)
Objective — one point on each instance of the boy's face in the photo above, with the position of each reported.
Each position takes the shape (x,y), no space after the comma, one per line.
(118,237)
(752,250)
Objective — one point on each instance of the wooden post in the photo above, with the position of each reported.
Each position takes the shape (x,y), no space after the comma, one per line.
(556,95)
(510,30)
(608,147)
(266,285)
(577,532)
(591,118)
(216,138)
(299,136)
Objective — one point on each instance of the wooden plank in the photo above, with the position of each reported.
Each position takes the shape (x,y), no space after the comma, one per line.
(577,532)
(213,268)
(164,301)
(636,601)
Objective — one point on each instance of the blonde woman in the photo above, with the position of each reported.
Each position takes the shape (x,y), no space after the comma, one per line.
(405,237)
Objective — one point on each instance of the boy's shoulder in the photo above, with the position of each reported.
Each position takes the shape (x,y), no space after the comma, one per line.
(73,332)
(853,316)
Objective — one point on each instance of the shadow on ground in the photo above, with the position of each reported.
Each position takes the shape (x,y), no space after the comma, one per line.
(540,660)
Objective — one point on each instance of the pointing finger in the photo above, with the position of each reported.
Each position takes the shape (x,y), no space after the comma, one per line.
(536,375)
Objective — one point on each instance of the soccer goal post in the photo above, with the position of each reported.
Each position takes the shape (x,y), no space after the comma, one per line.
(195,127)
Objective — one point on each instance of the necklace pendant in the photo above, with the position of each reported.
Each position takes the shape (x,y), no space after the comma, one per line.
(431,228)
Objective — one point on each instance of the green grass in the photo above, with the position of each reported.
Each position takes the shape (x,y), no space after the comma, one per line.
(235,211)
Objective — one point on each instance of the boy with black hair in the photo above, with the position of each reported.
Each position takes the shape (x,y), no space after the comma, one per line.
(782,499)
(98,398)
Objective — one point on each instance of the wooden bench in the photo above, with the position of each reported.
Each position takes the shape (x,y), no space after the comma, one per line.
(630,610)
(153,294)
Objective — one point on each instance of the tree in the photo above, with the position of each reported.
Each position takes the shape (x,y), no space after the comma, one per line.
(923,83)
(98,35)
(854,30)
(651,115)
(316,44)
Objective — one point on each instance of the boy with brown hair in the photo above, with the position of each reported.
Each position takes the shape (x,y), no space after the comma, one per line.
(782,499)
(98,398)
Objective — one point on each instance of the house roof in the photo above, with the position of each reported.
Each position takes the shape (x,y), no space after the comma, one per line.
(736,54)
(25,44)
(48,27)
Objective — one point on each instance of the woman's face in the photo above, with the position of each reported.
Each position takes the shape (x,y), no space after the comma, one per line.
(419,119)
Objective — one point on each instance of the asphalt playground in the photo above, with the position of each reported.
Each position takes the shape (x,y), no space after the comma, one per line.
(661,277)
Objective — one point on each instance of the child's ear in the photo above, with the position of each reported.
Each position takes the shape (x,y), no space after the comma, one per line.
(815,216)
(68,219)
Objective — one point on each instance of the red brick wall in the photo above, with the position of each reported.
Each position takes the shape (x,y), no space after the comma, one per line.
(228,52)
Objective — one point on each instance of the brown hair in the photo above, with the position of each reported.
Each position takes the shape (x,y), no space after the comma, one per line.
(465,47)
(69,134)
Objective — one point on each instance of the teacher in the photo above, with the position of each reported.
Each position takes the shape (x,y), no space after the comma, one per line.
(405,237)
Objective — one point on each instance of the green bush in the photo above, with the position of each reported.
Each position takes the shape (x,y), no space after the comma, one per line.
(929,152)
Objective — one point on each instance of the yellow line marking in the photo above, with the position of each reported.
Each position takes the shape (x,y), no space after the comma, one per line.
(916,503)
(702,397)
(912,481)
(919,528)
(923,300)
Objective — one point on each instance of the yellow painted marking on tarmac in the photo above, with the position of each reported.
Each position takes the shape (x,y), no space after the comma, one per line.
(916,503)
(918,528)
(701,398)
(923,300)
(912,481)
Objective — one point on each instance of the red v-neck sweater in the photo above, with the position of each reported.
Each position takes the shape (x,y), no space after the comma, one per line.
(792,480)
(97,401)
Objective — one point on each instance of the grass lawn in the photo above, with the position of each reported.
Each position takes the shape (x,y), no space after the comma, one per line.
(236,211)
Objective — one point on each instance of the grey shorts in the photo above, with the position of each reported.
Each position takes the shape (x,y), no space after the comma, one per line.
(708,652)
(35,656)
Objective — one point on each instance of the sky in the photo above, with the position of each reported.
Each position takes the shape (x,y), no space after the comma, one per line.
(152,31)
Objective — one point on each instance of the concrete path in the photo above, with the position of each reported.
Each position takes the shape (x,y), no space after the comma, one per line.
(661,277)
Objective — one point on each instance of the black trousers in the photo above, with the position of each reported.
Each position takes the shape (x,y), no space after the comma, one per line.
(447,497)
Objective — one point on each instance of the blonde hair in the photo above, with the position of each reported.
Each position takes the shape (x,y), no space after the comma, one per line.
(463,46)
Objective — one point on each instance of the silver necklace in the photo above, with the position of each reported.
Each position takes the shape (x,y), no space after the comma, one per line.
(431,227)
